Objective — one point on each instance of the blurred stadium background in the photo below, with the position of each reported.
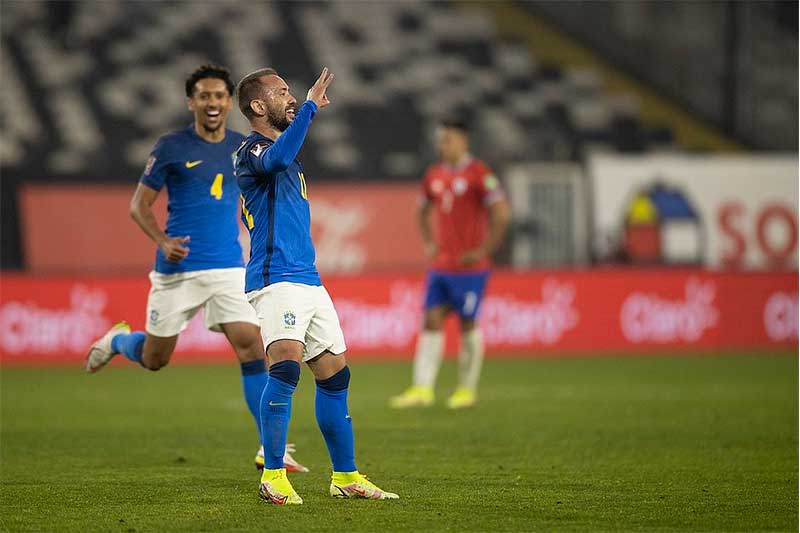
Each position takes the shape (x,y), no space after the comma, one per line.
(633,138)
(649,151)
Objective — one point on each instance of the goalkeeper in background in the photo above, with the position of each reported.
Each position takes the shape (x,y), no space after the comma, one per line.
(471,219)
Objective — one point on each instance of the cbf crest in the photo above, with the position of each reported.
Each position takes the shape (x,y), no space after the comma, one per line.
(289,319)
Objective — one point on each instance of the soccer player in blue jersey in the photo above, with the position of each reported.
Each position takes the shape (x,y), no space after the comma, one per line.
(298,321)
(199,260)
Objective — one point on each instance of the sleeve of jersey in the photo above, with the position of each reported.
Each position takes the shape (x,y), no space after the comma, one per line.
(157,167)
(280,155)
(425,196)
(490,188)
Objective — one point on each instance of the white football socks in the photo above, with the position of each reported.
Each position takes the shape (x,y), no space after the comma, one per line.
(428,357)
(470,359)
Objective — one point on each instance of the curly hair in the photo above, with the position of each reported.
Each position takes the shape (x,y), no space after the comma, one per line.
(208,71)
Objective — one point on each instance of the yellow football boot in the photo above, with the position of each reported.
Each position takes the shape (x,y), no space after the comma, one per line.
(414,396)
(355,485)
(462,398)
(275,488)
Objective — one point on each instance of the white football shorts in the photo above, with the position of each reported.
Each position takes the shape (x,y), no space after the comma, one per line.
(304,313)
(175,298)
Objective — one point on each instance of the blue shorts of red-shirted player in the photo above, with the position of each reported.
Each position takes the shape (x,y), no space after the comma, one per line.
(461,291)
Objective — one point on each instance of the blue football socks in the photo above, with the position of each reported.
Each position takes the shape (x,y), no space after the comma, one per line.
(276,409)
(130,345)
(254,379)
(334,420)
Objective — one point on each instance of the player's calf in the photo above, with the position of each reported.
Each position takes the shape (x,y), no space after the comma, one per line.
(157,351)
(276,406)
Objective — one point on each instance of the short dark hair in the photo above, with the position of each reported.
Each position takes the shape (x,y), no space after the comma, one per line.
(208,71)
(249,89)
(456,123)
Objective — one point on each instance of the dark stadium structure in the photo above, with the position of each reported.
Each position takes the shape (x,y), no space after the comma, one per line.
(88,86)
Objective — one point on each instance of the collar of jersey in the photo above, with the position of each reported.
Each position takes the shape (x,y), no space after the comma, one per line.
(195,136)
(461,165)
(262,136)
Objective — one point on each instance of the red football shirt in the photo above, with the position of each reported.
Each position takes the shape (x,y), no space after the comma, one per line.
(460,196)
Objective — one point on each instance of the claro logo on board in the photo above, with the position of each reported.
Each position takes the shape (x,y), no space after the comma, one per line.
(513,321)
(780,316)
(25,326)
(648,317)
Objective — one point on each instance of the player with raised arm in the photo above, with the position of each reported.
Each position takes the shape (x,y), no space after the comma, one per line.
(298,320)
(199,260)
(463,192)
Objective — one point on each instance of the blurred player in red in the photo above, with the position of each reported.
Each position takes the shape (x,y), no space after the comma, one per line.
(471,220)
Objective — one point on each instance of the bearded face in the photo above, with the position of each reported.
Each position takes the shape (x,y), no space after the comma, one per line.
(280,113)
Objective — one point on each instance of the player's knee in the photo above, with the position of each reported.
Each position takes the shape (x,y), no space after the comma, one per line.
(155,360)
(285,350)
(337,382)
(433,324)
(154,364)
(467,325)
(433,321)
(248,355)
(287,371)
(249,351)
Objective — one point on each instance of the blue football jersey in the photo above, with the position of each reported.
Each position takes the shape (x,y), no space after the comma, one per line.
(203,198)
(275,206)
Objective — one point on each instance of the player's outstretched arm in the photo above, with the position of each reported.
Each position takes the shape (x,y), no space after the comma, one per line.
(141,212)
(281,154)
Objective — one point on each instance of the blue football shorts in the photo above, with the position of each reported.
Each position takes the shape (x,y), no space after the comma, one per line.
(462,291)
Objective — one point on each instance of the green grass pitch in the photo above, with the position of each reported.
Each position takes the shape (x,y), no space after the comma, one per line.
(616,444)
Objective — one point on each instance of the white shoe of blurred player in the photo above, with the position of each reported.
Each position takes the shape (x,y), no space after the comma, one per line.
(288,461)
(101,352)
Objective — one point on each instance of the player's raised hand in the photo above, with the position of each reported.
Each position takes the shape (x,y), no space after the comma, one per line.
(174,250)
(318,92)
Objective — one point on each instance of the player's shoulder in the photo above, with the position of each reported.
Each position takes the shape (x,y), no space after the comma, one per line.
(253,145)
(246,156)
(171,140)
(478,168)
(432,170)
(234,137)
(256,139)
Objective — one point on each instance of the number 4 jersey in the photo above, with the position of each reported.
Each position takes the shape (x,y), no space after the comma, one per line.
(203,198)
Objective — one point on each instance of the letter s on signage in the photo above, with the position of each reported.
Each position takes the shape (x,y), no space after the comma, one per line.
(733,255)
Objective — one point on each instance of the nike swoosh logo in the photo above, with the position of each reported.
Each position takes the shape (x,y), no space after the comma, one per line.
(273,403)
(190,164)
